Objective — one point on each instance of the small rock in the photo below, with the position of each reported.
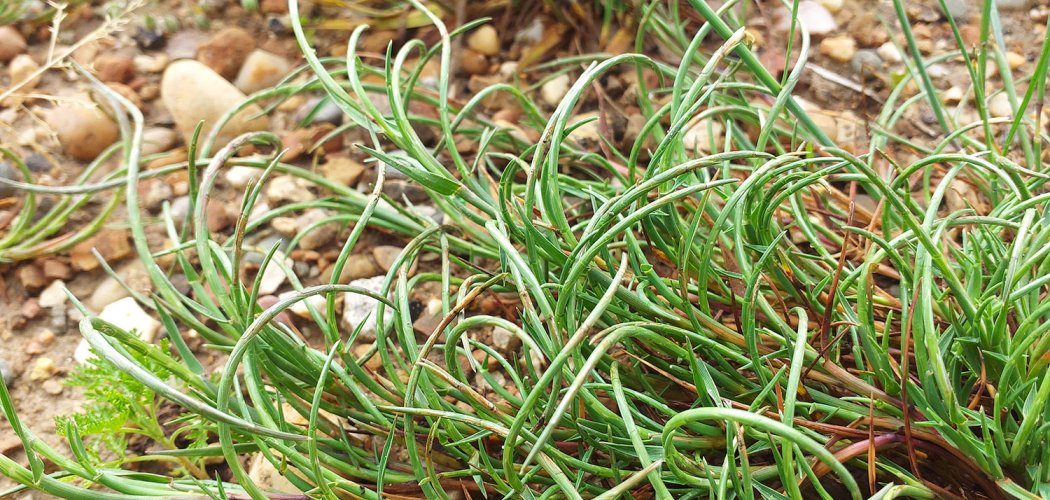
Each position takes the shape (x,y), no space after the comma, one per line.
(285,226)
(1013,4)
(889,53)
(555,89)
(374,362)
(219,215)
(287,189)
(7,172)
(153,193)
(814,16)
(839,48)
(866,63)
(273,6)
(958,9)
(127,315)
(702,135)
(356,267)
(83,131)
(342,170)
(37,163)
(832,5)
(43,368)
(329,112)
(386,256)
(31,277)
(55,269)
(261,70)
(587,134)
(273,276)
(45,337)
(484,40)
(1015,60)
(239,176)
(157,140)
(114,68)
(301,308)
(11,43)
(318,236)
(504,340)
(7,373)
(54,295)
(151,64)
(52,387)
(359,308)
(473,63)
(226,51)
(112,244)
(953,95)
(192,92)
(264,475)
(508,69)
(999,106)
(21,69)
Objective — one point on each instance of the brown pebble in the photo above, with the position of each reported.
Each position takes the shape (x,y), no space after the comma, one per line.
(12,43)
(31,277)
(52,387)
(473,63)
(114,68)
(56,269)
(226,51)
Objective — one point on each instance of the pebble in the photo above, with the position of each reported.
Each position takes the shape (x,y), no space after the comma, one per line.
(958,9)
(356,267)
(261,70)
(192,92)
(814,16)
(889,53)
(342,170)
(531,33)
(1013,4)
(386,256)
(83,131)
(301,308)
(555,89)
(1015,60)
(319,236)
(31,277)
(112,245)
(52,387)
(504,340)
(127,315)
(866,63)
(264,475)
(114,68)
(7,172)
(219,216)
(832,5)
(239,176)
(999,106)
(55,269)
(484,40)
(153,193)
(473,63)
(43,368)
(54,295)
(699,136)
(12,43)
(839,48)
(226,51)
(273,276)
(21,69)
(329,112)
(587,134)
(287,189)
(953,95)
(359,308)
(36,163)
(6,372)
(151,64)
(157,140)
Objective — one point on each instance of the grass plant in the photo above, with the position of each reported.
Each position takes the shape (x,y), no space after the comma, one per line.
(721,322)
